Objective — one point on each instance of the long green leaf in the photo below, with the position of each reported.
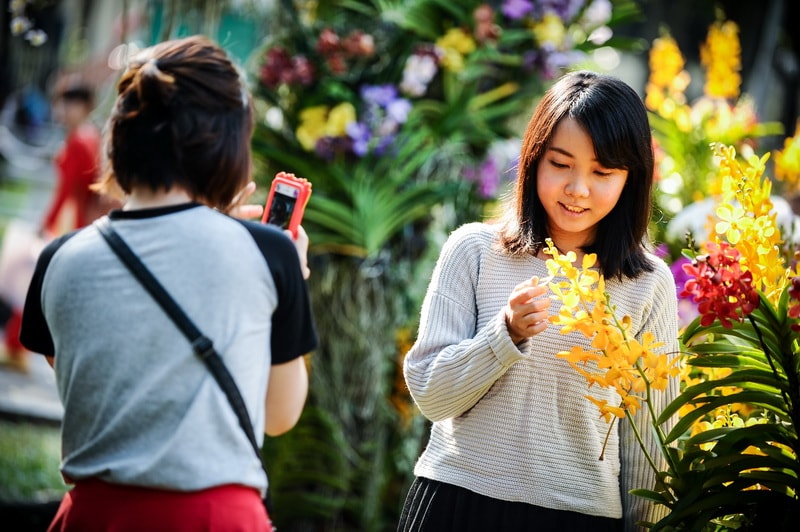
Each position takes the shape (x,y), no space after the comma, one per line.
(694,392)
(711,403)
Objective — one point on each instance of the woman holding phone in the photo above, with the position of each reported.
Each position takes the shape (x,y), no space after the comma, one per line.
(149,440)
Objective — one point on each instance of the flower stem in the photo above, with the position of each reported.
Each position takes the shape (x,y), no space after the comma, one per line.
(608,435)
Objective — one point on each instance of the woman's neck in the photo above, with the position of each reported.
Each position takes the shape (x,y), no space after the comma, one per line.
(145,198)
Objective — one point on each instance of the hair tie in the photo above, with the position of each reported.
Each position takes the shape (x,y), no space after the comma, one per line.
(151,63)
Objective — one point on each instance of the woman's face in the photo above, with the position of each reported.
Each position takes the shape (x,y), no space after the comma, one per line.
(576,191)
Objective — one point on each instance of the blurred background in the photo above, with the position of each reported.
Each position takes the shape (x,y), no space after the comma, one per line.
(710,71)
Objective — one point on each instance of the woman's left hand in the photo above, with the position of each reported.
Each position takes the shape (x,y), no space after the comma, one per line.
(301,243)
(245,211)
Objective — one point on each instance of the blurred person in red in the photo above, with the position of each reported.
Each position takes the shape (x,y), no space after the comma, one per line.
(74,204)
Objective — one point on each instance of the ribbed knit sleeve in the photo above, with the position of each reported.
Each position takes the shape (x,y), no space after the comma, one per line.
(635,472)
(452,365)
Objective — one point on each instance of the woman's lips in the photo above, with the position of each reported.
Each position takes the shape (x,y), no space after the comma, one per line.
(573,209)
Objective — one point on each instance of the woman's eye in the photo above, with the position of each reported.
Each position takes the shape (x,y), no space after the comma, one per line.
(557,164)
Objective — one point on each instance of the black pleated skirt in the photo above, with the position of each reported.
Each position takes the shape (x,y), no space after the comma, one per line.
(433,506)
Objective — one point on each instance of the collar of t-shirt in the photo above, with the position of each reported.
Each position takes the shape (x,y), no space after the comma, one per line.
(136,214)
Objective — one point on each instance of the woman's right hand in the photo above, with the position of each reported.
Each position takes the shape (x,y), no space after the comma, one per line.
(526,310)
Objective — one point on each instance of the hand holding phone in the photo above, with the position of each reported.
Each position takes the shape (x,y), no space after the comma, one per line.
(287,201)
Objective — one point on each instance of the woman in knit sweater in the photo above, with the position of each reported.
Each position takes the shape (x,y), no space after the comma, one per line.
(514,443)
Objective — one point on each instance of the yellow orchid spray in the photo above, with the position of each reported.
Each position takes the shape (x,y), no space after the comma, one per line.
(550,30)
(787,162)
(320,121)
(312,126)
(747,222)
(668,79)
(736,433)
(744,220)
(721,57)
(684,130)
(456,44)
(616,359)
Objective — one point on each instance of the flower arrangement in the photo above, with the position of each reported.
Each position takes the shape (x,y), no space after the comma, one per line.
(733,456)
(684,130)
(394,107)
(616,359)
(22,24)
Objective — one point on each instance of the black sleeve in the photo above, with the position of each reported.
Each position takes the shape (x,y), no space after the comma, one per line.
(34,333)
(293,330)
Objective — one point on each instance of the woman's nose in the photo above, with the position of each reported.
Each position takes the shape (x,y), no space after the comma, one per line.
(577,186)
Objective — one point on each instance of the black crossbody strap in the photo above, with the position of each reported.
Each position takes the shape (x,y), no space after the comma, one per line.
(202,345)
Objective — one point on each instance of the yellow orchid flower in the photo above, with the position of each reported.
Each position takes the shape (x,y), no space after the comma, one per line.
(550,30)
(339,118)
(312,126)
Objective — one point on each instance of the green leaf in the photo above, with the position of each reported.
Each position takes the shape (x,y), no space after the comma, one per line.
(711,403)
(650,495)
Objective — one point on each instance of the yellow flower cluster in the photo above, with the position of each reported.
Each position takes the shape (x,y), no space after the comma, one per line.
(616,359)
(668,79)
(455,45)
(746,219)
(787,161)
(550,30)
(721,57)
(683,131)
(320,121)
(726,416)
(691,375)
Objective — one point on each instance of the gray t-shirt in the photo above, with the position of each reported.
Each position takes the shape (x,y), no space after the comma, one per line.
(139,407)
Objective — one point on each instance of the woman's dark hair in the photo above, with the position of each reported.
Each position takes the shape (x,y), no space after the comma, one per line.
(182,117)
(615,118)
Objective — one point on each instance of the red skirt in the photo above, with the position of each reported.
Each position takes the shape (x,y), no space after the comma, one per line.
(94,505)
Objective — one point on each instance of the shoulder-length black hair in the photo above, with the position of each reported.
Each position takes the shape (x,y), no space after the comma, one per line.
(615,118)
(183,117)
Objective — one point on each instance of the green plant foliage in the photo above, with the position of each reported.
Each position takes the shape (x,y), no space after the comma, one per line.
(29,458)
(311,469)
(352,212)
(745,476)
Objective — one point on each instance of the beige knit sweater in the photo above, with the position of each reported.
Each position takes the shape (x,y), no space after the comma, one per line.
(511,422)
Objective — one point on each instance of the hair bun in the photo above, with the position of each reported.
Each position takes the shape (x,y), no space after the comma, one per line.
(154,87)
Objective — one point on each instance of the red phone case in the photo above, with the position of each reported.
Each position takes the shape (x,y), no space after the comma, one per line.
(303,187)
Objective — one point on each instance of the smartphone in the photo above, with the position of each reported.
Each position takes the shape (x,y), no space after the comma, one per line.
(286,202)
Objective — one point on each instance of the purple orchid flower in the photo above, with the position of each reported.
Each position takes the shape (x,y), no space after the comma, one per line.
(360,135)
(516,9)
